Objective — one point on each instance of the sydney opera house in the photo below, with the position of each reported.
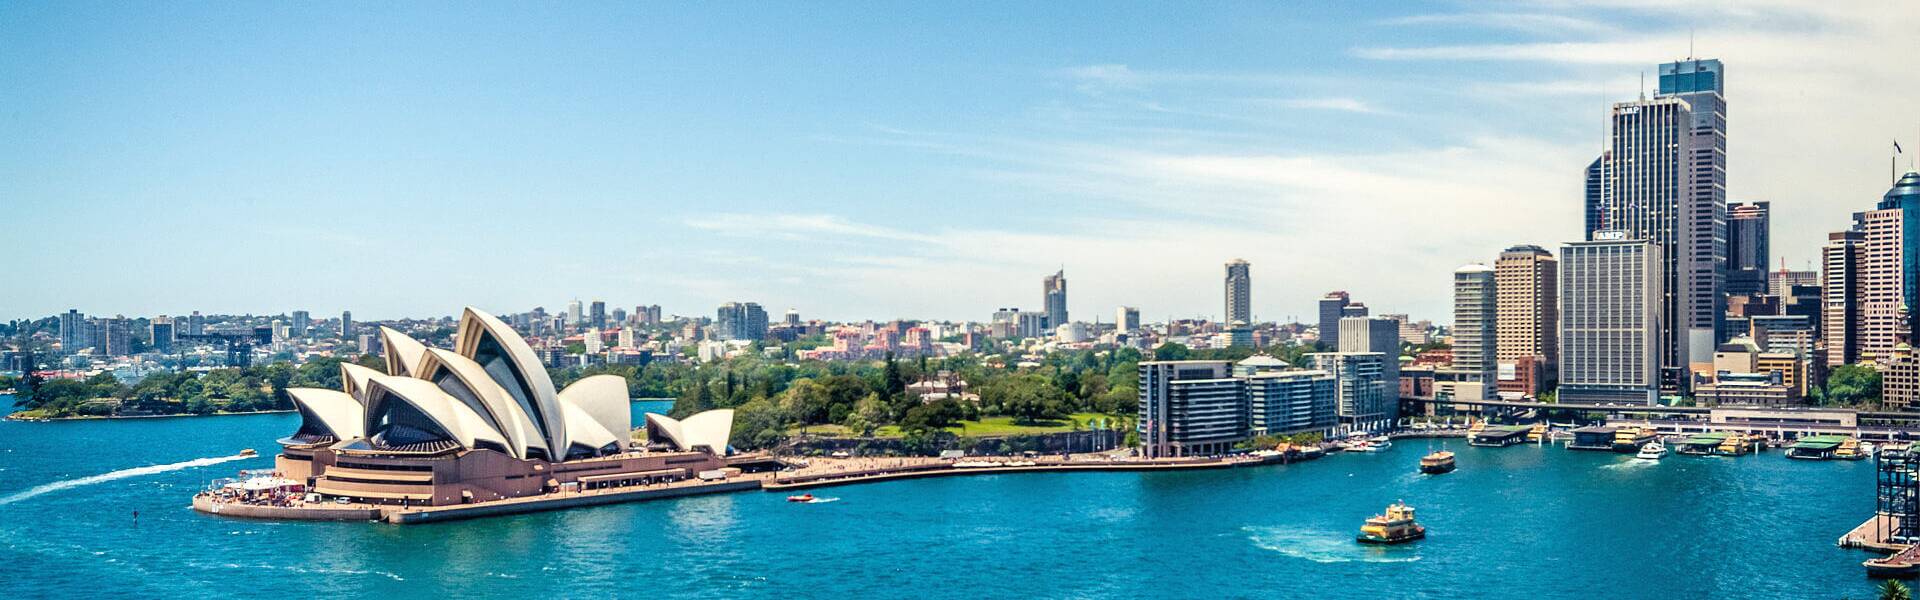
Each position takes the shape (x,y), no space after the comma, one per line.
(483,422)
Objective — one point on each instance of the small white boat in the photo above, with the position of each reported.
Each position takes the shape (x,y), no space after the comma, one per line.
(1866,448)
(1653,450)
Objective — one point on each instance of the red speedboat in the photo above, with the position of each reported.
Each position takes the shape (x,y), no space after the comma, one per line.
(800,498)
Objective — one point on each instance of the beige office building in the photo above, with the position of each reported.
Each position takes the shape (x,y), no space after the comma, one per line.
(1528,319)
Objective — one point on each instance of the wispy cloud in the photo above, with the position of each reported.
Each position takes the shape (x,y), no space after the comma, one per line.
(1343,104)
(1534,23)
(793,227)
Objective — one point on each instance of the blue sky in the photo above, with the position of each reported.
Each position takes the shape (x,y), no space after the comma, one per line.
(871,160)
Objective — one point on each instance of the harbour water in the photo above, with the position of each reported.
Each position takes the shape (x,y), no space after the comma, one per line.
(1514,522)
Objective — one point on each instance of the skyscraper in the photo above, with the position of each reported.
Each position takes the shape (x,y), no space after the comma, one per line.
(1747,248)
(1475,322)
(116,334)
(1703,213)
(1054,291)
(1841,260)
(574,315)
(1526,342)
(346,326)
(1332,307)
(1648,194)
(301,321)
(1239,292)
(1873,278)
(196,324)
(597,314)
(1610,332)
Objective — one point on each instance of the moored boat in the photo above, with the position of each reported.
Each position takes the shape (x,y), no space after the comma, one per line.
(248,452)
(1395,527)
(1437,463)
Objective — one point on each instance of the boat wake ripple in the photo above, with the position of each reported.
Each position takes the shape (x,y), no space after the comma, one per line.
(120,474)
(1321,546)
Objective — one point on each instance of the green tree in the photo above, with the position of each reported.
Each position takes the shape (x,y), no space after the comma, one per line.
(1894,590)
(1172,351)
(1852,385)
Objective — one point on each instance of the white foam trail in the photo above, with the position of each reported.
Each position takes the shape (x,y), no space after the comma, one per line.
(120,474)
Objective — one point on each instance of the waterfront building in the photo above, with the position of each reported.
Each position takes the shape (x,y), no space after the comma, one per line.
(478,423)
(1191,408)
(1744,389)
(1610,334)
(1239,292)
(1362,398)
(1332,307)
(1126,319)
(1900,380)
(1287,402)
(1054,299)
(741,321)
(1359,335)
(1475,333)
(1526,345)
(1748,248)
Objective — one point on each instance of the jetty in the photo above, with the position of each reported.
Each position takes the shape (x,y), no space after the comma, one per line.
(1500,436)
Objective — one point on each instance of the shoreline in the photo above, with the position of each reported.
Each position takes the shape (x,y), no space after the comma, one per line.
(11,417)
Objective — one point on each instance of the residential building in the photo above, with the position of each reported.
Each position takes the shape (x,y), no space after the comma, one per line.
(1287,402)
(116,336)
(1872,277)
(1239,292)
(346,327)
(160,334)
(1191,408)
(597,314)
(574,314)
(73,331)
(741,321)
(1610,334)
(1526,344)
(302,321)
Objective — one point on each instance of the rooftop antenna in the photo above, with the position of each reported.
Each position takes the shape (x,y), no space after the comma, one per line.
(1643,85)
(1690,32)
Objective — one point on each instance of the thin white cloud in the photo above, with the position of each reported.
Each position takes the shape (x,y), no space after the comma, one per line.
(1353,105)
(1535,23)
(795,227)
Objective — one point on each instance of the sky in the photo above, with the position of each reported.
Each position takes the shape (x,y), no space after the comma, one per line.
(875,160)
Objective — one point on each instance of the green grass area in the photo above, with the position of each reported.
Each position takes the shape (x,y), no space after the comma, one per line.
(987,427)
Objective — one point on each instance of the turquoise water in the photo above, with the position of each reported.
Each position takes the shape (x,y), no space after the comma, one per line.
(1512,522)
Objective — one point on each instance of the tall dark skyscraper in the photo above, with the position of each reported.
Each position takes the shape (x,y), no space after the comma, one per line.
(1747,248)
(346,326)
(597,314)
(1239,292)
(1055,291)
(1702,84)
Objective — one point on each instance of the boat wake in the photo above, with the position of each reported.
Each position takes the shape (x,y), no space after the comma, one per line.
(1630,464)
(822,500)
(1321,546)
(120,474)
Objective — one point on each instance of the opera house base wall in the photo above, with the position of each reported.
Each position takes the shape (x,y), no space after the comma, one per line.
(564,501)
(210,506)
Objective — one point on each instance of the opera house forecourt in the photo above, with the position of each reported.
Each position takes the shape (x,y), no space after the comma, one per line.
(475,431)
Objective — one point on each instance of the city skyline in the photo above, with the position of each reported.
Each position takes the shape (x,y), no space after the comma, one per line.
(137,141)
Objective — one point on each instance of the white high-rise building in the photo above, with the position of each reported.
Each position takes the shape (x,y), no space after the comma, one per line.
(1610,333)
(1126,319)
(1472,374)
(1239,292)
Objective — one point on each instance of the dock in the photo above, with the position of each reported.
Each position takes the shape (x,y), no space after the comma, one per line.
(1597,438)
(1500,436)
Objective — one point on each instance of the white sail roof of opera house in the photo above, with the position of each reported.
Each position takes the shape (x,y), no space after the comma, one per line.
(328,413)
(511,362)
(489,392)
(709,430)
(396,405)
(403,353)
(469,382)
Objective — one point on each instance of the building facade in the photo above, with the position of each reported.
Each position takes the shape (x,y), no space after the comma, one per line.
(1191,408)
(1332,307)
(1527,345)
(1475,332)
(1610,334)
(1054,293)
(1239,292)
(1361,389)
(1748,248)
